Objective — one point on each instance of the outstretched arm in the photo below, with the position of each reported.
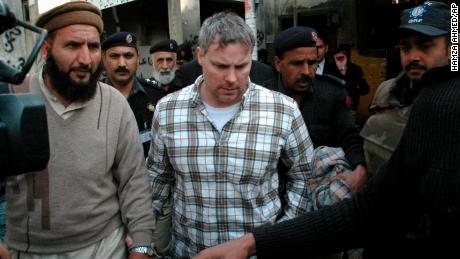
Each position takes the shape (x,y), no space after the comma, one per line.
(240,248)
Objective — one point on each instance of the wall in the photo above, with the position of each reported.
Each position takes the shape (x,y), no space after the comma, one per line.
(374,72)
(336,15)
(13,51)
(190,13)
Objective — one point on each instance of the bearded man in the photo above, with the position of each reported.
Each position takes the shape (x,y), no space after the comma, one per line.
(95,188)
(164,57)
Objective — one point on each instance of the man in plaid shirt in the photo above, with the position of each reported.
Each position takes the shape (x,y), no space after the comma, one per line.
(216,145)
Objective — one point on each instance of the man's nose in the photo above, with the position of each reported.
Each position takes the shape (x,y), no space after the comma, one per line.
(165,64)
(122,62)
(306,69)
(414,54)
(231,76)
(84,56)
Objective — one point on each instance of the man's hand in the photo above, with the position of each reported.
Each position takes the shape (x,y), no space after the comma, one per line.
(355,179)
(240,248)
(341,61)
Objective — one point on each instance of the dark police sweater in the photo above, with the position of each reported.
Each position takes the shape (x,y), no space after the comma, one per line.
(421,181)
(328,120)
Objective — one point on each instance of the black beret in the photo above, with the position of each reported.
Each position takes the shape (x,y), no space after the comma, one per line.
(123,38)
(294,37)
(164,45)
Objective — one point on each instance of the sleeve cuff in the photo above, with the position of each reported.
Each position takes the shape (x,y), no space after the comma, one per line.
(141,238)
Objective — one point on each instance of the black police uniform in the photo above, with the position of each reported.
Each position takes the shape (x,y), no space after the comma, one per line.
(324,106)
(142,99)
(175,85)
(327,116)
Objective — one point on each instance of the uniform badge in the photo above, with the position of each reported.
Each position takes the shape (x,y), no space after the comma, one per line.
(150,107)
(419,10)
(129,38)
(314,35)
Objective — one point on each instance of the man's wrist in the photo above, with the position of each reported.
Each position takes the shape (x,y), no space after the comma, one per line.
(249,243)
(361,167)
(147,250)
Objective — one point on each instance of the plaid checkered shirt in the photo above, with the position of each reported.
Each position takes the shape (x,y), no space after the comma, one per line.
(226,183)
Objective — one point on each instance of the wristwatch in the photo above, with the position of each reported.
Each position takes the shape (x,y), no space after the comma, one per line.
(142,249)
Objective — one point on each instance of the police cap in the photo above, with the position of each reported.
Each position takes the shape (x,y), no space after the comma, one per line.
(164,45)
(294,37)
(124,38)
(430,18)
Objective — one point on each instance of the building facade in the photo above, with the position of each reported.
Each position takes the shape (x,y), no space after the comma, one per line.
(363,24)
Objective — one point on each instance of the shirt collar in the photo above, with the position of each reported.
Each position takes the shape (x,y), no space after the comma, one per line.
(320,68)
(55,103)
(50,96)
(137,87)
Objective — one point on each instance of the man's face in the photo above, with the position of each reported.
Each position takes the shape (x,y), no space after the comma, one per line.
(322,49)
(164,66)
(73,58)
(179,64)
(226,73)
(420,53)
(341,60)
(121,64)
(297,68)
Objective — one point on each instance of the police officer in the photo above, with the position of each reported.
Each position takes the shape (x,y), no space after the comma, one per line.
(121,60)
(322,99)
(325,64)
(163,56)
(418,43)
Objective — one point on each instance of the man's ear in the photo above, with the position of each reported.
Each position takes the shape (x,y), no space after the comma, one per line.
(103,57)
(199,55)
(46,47)
(277,62)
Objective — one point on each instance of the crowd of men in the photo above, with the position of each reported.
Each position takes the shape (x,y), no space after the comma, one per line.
(225,157)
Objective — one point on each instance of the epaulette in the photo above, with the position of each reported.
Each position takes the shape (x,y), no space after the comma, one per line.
(150,82)
(331,78)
